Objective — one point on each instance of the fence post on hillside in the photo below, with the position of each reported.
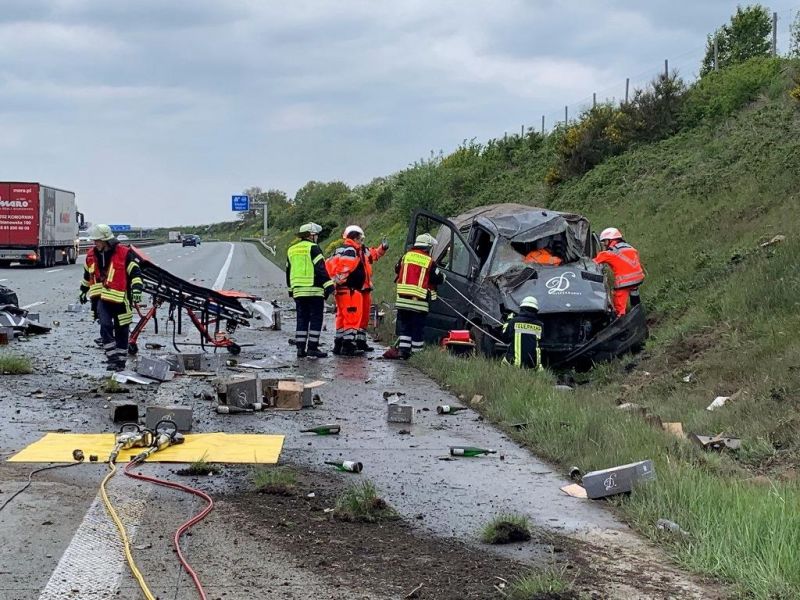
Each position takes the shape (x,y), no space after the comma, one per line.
(716,54)
(542,124)
(774,34)
(566,116)
(627,87)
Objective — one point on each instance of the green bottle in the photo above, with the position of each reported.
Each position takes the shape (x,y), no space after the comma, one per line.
(446,409)
(323,430)
(224,409)
(350,466)
(469,451)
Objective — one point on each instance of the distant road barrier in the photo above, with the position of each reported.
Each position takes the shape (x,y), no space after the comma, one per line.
(141,243)
(270,249)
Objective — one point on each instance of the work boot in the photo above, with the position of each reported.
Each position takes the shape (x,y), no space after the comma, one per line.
(301,352)
(348,348)
(116,365)
(315,352)
(405,354)
(337,346)
(363,346)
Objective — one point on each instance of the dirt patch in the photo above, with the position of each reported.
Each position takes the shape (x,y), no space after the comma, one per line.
(693,345)
(390,557)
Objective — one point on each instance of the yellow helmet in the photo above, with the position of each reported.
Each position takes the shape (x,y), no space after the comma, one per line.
(101,232)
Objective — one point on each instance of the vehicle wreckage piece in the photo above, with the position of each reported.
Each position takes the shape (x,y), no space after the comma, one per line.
(206,308)
(17,319)
(483,254)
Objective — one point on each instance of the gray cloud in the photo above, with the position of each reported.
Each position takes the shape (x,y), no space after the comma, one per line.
(155,111)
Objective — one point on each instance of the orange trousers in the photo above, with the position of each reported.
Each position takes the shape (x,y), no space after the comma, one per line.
(366,307)
(348,313)
(620,299)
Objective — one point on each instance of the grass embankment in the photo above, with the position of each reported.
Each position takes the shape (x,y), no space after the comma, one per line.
(723,310)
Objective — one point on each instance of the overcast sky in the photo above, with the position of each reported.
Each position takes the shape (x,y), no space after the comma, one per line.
(155,111)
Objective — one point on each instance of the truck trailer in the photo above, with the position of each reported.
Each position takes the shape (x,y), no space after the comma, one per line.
(38,224)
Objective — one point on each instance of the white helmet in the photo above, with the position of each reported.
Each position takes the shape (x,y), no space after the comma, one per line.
(312,228)
(426,240)
(101,232)
(529,302)
(610,233)
(352,228)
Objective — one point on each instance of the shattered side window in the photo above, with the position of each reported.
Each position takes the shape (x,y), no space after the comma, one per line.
(451,254)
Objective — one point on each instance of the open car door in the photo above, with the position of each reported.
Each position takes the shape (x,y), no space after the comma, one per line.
(459,264)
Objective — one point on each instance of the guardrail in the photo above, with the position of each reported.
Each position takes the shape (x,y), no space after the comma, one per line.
(270,249)
(139,242)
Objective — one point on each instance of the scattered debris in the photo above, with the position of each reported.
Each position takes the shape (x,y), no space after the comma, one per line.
(124,412)
(414,593)
(77,454)
(448,409)
(670,527)
(399,413)
(634,408)
(775,240)
(718,402)
(688,378)
(131,377)
(575,490)
(563,388)
(178,414)
(617,480)
(349,466)
(323,430)
(93,458)
(476,400)
(575,474)
(388,395)
(470,451)
(675,428)
(154,368)
(715,442)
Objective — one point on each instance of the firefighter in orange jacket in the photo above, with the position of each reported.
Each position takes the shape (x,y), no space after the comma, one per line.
(417,278)
(368,256)
(112,280)
(623,260)
(346,269)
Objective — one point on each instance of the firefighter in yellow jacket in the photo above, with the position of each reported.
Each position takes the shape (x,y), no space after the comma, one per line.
(309,285)
(112,280)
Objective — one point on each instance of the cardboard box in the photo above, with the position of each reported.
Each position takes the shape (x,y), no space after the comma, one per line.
(618,480)
(289,395)
(400,413)
(181,415)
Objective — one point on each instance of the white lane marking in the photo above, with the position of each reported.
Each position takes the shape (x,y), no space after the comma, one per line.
(27,306)
(54,270)
(169,260)
(3,279)
(94,561)
(223,274)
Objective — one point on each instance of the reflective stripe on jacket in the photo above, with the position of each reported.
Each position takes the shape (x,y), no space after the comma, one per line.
(523,334)
(90,285)
(306,275)
(413,280)
(623,259)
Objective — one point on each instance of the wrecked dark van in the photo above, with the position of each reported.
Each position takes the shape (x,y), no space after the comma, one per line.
(485,255)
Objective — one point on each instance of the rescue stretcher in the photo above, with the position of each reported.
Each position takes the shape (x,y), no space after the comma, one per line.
(207,309)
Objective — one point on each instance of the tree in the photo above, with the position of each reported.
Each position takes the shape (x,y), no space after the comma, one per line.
(746,36)
(794,42)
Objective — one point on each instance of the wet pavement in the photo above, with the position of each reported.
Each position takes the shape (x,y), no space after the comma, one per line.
(450,498)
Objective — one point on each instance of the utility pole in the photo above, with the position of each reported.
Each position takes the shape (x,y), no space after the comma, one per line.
(627,88)
(716,53)
(566,116)
(542,124)
(774,34)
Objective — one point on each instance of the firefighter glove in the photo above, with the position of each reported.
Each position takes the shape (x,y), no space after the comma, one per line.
(82,298)
(385,243)
(136,296)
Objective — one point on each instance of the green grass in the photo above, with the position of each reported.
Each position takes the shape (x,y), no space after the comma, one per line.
(506,529)
(112,386)
(280,480)
(201,467)
(361,503)
(14,364)
(709,495)
(545,584)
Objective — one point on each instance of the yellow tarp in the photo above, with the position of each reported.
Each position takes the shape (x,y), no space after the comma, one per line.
(212,447)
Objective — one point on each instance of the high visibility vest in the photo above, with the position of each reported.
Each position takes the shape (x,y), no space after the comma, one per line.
(301,275)
(624,262)
(542,256)
(413,281)
(115,283)
(90,282)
